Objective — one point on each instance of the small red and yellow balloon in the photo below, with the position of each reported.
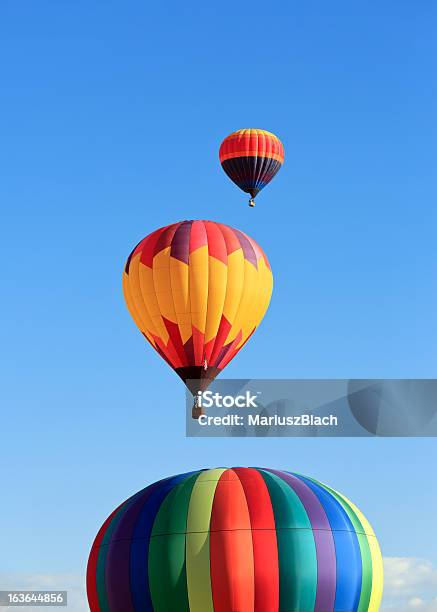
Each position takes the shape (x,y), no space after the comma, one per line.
(251,158)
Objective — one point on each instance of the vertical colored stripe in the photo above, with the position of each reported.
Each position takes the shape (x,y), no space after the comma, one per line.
(167,570)
(139,554)
(117,561)
(375,552)
(265,546)
(91,582)
(348,554)
(366,559)
(323,538)
(231,550)
(296,547)
(198,541)
(102,556)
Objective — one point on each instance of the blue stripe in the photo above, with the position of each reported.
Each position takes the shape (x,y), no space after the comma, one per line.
(347,549)
(139,559)
(247,186)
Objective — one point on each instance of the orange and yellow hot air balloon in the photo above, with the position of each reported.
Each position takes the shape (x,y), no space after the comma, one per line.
(251,158)
(197,291)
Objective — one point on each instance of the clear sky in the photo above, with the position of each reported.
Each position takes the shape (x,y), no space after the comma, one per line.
(111,117)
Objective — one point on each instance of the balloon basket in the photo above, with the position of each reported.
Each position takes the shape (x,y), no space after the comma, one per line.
(197,410)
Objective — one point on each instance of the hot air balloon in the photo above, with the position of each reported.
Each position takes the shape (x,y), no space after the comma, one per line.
(252,540)
(251,158)
(197,291)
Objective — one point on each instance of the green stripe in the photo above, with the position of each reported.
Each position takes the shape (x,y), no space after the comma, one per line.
(366,557)
(167,568)
(296,547)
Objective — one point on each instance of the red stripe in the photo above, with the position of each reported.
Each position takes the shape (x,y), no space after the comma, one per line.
(198,346)
(148,246)
(231,552)
(159,348)
(262,145)
(265,547)
(229,351)
(216,242)
(198,235)
(231,238)
(222,333)
(231,354)
(175,342)
(168,352)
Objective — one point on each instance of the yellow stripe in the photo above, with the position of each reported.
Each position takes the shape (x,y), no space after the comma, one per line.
(197,542)
(217,282)
(133,310)
(234,285)
(250,131)
(263,293)
(140,286)
(247,303)
(180,286)
(198,270)
(149,305)
(162,284)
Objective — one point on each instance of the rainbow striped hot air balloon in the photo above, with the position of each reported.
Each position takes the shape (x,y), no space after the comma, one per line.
(251,158)
(240,539)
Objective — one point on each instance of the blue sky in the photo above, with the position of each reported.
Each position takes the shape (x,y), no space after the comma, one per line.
(111,118)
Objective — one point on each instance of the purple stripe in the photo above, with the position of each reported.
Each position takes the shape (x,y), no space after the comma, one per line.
(180,245)
(222,354)
(324,540)
(189,350)
(117,569)
(248,250)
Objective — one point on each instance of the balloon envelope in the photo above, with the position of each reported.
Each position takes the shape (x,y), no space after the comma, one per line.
(251,158)
(252,540)
(197,291)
